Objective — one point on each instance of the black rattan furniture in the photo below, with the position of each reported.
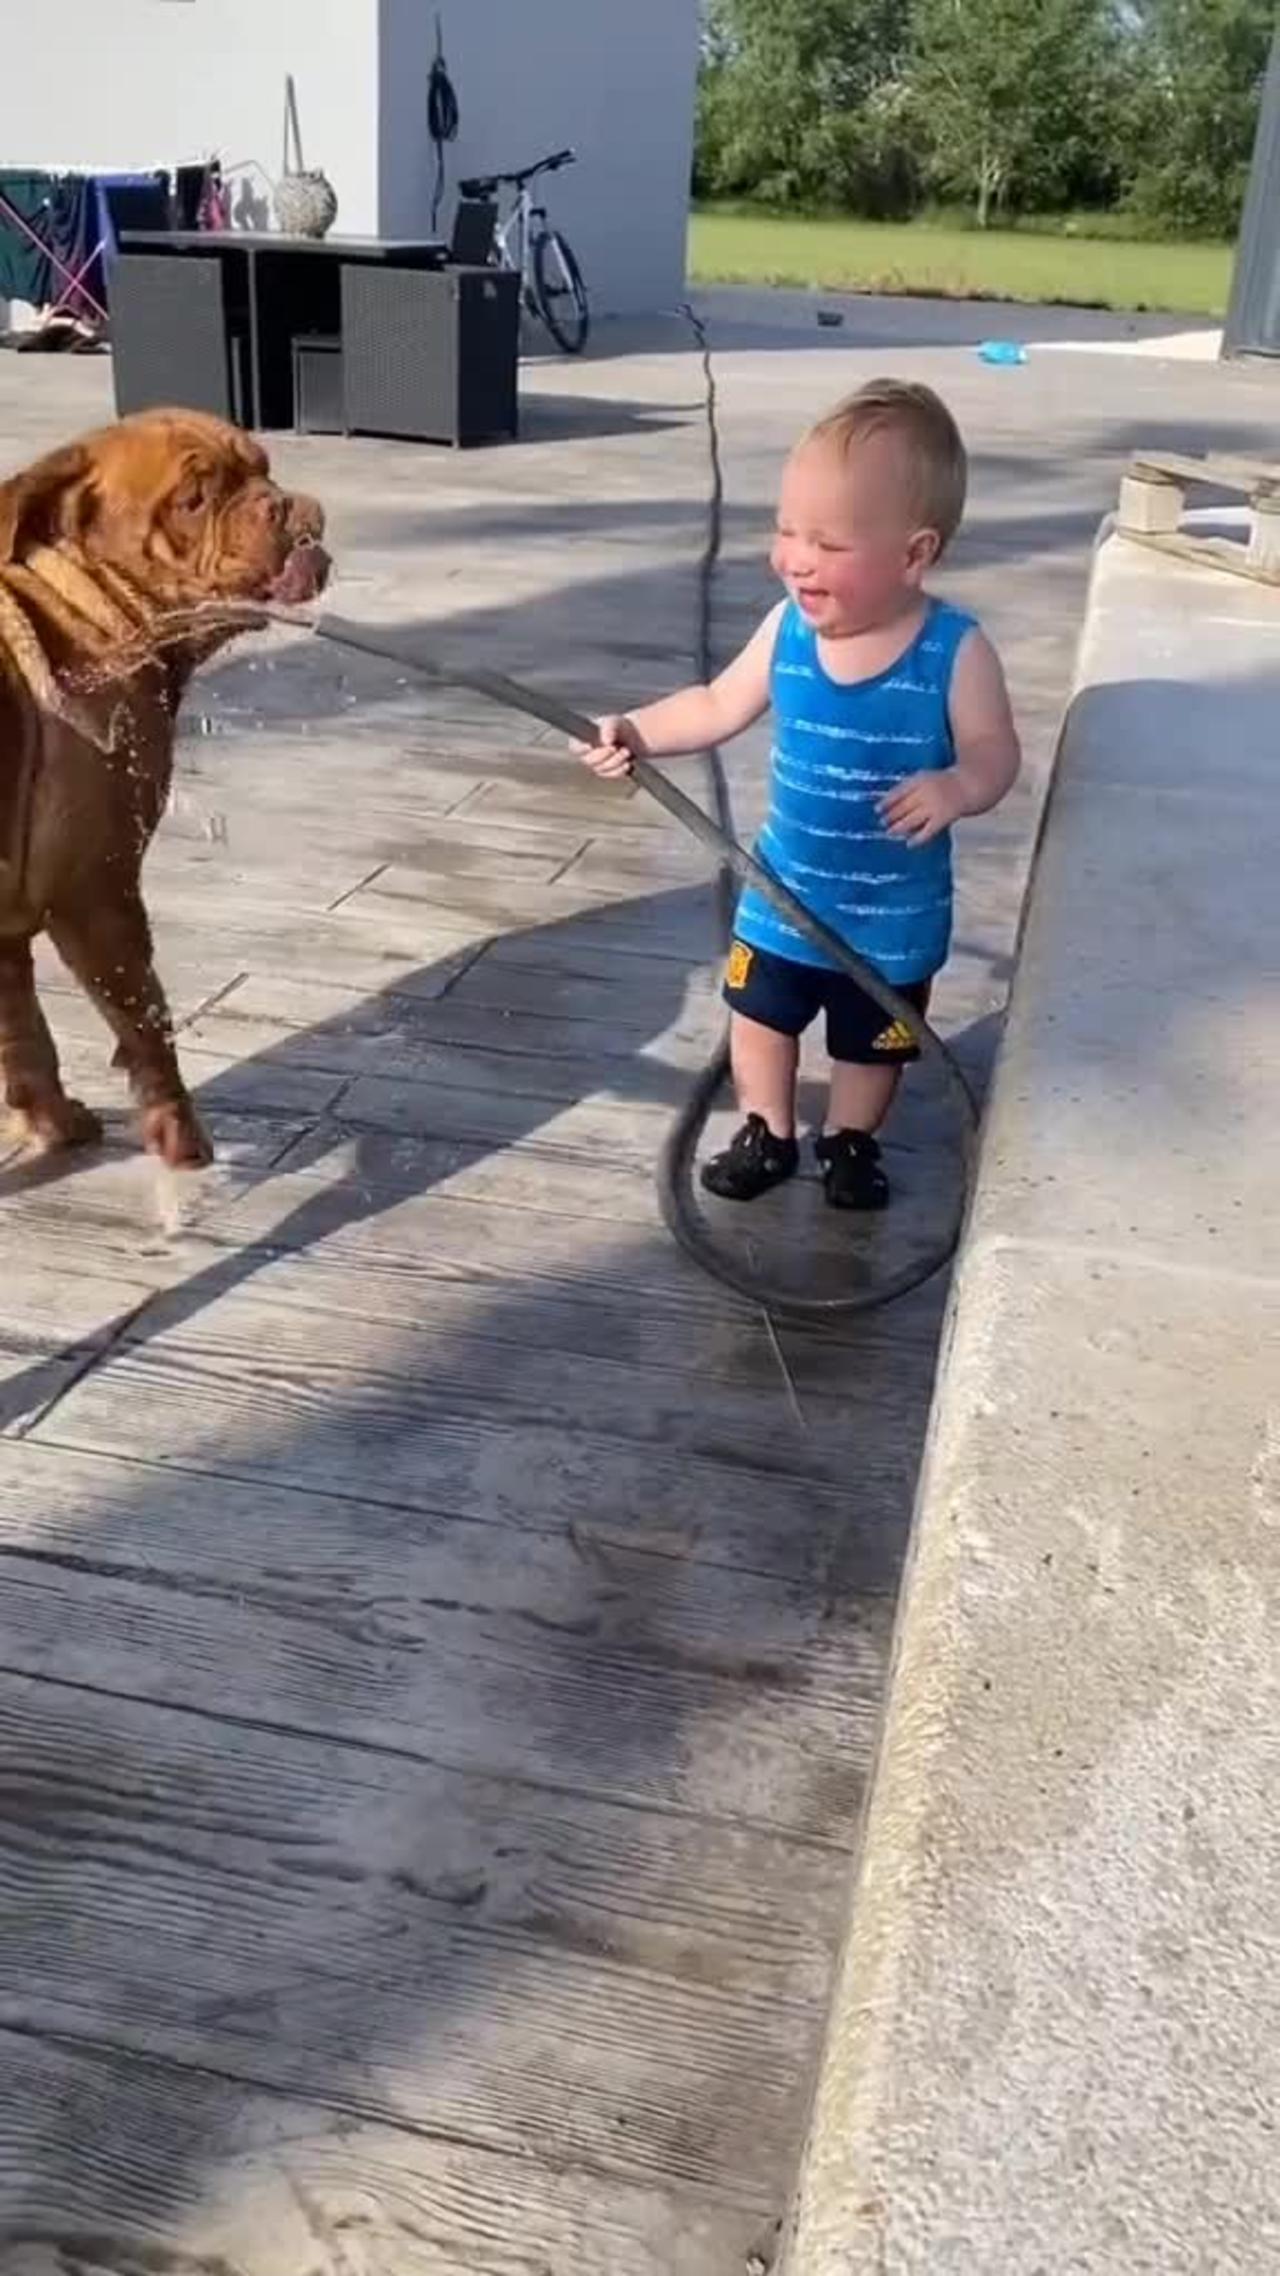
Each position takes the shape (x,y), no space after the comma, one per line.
(180,335)
(275,290)
(431,354)
(318,399)
(471,241)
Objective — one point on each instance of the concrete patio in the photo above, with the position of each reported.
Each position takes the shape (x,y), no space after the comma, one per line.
(441,1638)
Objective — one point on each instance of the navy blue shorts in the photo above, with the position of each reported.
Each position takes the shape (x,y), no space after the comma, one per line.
(788,998)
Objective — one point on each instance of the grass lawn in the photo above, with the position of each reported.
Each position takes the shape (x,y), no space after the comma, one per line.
(996,264)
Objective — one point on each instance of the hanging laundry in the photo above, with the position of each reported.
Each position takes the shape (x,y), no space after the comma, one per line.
(72,230)
(188,192)
(25,271)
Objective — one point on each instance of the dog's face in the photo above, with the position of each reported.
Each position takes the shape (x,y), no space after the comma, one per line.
(180,504)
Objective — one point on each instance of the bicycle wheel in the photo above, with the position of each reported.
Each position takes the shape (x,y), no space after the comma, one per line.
(559,293)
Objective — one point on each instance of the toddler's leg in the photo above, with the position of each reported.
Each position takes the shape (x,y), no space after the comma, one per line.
(764,1072)
(848,1151)
(771,1002)
(764,1152)
(860,1097)
(867,1055)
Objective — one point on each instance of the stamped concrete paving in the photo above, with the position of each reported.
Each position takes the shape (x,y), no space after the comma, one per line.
(440,1636)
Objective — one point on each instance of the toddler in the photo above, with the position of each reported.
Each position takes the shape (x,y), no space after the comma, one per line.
(891,722)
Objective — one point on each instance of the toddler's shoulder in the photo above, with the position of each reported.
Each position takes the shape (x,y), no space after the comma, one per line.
(943,636)
(961,636)
(949,619)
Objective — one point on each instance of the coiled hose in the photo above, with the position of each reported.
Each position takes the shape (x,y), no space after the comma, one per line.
(443,120)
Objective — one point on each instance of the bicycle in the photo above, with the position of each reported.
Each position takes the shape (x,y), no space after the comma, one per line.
(551,281)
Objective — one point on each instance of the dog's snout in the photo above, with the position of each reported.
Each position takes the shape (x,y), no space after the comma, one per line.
(306,519)
(304,576)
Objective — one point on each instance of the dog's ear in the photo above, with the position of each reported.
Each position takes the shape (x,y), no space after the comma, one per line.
(51,500)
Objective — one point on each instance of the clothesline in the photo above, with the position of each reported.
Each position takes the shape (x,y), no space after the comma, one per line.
(97,169)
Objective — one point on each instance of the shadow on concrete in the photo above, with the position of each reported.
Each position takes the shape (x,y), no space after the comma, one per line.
(547,418)
(352,1854)
(1039,525)
(342,1713)
(433,1127)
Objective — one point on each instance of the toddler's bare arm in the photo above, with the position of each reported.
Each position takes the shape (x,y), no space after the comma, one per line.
(988,754)
(986,747)
(695,717)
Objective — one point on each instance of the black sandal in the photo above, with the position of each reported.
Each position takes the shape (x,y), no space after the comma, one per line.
(752,1163)
(852,1176)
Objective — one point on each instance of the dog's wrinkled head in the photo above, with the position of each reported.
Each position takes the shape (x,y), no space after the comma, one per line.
(180,504)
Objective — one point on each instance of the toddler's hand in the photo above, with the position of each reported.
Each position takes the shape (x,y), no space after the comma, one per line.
(922,807)
(611,756)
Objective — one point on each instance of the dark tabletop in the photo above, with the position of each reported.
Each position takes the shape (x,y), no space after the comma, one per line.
(273,241)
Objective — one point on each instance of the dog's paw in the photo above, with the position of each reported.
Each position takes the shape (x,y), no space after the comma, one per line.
(57,1123)
(174,1134)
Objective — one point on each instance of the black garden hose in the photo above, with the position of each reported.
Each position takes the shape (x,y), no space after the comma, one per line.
(675,1177)
(443,120)
(676,1184)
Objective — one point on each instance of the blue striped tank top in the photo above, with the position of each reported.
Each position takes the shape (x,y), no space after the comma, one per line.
(836,749)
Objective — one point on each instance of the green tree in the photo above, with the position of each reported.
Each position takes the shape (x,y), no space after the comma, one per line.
(801,102)
(1196,71)
(1014,97)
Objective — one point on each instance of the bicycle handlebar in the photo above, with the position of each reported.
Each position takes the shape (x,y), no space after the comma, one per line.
(481,185)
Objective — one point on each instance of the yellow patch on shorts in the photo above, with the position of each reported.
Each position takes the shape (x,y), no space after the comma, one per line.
(737,971)
(896,1037)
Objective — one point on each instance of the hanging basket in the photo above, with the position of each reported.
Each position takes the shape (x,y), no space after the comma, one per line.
(305,201)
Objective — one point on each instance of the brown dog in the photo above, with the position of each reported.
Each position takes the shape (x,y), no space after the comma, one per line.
(98,542)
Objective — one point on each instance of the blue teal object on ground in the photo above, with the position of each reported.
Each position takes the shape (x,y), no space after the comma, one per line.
(1003,352)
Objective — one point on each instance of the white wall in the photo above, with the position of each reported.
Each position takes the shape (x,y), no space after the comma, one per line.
(613,78)
(138,83)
